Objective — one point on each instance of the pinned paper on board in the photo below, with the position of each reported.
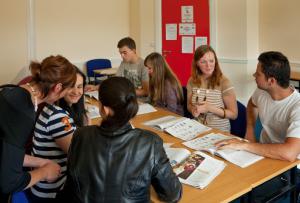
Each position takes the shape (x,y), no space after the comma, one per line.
(187,44)
(187,28)
(200,41)
(187,14)
(171,31)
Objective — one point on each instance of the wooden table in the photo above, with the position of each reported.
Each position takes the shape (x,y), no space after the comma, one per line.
(107,71)
(233,182)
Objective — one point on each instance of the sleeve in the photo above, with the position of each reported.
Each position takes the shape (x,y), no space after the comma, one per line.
(164,180)
(12,176)
(294,125)
(171,97)
(255,96)
(60,125)
(144,71)
(226,86)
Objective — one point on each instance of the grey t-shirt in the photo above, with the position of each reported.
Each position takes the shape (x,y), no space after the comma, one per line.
(135,72)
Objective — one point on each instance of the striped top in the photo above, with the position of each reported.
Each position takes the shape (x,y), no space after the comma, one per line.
(214,97)
(53,123)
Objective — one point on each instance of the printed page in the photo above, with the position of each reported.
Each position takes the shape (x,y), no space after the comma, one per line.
(199,170)
(176,155)
(239,157)
(145,108)
(164,122)
(92,111)
(187,129)
(207,142)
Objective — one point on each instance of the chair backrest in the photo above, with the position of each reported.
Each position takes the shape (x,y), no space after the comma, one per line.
(258,128)
(186,112)
(95,64)
(238,126)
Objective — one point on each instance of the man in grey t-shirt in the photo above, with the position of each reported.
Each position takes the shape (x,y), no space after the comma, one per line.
(132,67)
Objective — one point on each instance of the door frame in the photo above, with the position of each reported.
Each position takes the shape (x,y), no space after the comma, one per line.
(212,29)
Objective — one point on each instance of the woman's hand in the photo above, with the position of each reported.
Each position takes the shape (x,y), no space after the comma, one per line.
(200,108)
(52,171)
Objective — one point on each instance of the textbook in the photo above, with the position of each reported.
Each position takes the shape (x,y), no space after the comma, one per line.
(237,157)
(198,169)
(180,127)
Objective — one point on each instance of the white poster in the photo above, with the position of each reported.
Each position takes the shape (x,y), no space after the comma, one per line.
(200,41)
(187,44)
(187,28)
(171,31)
(187,14)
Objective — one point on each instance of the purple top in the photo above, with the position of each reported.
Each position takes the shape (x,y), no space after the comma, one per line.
(171,102)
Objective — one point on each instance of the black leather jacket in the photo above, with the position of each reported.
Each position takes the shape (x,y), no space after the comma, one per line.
(120,166)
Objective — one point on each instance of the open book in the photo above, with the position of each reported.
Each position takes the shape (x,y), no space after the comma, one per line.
(176,155)
(180,127)
(198,169)
(238,157)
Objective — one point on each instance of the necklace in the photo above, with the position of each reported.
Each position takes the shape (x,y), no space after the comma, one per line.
(34,96)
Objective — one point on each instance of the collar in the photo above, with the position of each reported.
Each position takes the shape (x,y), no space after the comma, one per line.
(120,131)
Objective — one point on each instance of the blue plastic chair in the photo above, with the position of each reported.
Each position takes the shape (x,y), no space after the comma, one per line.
(96,64)
(238,126)
(19,197)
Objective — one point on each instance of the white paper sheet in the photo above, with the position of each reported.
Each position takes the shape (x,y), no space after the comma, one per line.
(187,44)
(187,14)
(171,31)
(187,28)
(200,41)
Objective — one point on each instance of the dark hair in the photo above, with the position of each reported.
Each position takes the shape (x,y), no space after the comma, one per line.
(275,64)
(196,72)
(77,110)
(127,41)
(161,73)
(51,71)
(118,93)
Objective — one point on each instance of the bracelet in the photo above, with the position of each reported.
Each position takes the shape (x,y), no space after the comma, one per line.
(224,112)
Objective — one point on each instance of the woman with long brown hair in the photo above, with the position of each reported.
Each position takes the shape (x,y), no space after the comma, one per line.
(211,97)
(165,88)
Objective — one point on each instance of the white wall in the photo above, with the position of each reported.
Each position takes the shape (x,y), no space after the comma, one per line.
(237,43)
(13,39)
(79,31)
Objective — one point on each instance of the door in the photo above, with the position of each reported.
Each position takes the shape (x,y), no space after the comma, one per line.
(185,25)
